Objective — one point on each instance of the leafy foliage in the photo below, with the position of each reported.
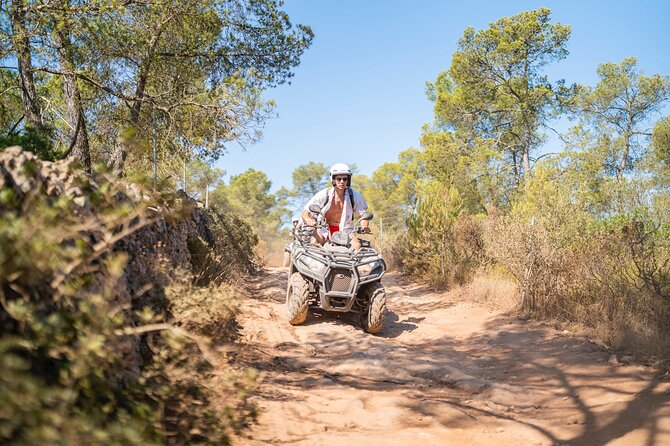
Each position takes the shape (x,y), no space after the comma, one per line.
(104,68)
(74,369)
(36,140)
(617,109)
(495,89)
(256,210)
(583,232)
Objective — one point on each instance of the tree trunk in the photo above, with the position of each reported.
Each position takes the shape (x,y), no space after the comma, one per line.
(623,163)
(118,159)
(139,94)
(526,161)
(79,148)
(515,165)
(21,44)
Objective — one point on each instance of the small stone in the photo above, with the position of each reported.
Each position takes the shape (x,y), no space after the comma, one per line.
(613,360)
(80,201)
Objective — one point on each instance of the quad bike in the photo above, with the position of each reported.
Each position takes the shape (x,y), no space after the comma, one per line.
(335,277)
(286,259)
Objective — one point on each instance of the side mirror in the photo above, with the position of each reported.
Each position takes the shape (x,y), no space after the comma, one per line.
(314,208)
(366,216)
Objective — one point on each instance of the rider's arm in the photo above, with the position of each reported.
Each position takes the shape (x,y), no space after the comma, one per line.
(307,218)
(360,206)
(319,199)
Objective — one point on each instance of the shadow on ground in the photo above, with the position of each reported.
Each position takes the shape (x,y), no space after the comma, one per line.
(509,370)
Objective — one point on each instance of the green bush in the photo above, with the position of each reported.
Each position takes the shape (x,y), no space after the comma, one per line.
(607,272)
(85,356)
(35,140)
(441,246)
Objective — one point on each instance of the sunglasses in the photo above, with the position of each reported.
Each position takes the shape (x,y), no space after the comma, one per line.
(341,178)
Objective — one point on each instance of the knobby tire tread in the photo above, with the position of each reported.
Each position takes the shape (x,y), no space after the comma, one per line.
(297,299)
(373,319)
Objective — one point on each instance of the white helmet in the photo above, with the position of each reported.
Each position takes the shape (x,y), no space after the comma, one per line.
(340,169)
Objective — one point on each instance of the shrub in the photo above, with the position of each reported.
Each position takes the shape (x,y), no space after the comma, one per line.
(441,246)
(609,273)
(87,352)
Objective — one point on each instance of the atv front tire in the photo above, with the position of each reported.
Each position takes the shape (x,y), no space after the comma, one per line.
(297,299)
(372,321)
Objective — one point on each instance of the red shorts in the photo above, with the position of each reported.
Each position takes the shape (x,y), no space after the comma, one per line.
(333,228)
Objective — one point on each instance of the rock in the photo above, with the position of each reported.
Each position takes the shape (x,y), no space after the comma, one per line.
(155,251)
(613,360)
(19,171)
(80,201)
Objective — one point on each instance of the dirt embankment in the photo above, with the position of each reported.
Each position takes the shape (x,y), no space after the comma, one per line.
(443,371)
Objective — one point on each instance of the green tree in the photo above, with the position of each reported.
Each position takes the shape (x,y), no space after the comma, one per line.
(202,178)
(249,196)
(393,189)
(16,13)
(495,88)
(472,167)
(201,65)
(617,111)
(661,141)
(308,179)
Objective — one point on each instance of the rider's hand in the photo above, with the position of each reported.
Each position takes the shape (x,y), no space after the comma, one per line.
(365,230)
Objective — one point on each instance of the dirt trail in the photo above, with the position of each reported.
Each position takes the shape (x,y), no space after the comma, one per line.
(442,372)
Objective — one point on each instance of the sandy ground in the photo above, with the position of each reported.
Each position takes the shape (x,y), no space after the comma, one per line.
(443,371)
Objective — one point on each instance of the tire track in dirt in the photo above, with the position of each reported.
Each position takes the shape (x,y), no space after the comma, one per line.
(442,371)
(272,337)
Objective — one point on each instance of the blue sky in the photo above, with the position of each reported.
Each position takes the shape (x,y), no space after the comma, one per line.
(359,93)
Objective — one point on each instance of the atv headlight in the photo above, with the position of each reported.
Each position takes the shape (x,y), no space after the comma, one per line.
(312,264)
(365,270)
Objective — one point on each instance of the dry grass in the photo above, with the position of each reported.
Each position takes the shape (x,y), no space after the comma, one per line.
(208,310)
(491,291)
(607,279)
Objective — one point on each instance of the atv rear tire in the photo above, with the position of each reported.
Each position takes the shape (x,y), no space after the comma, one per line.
(297,299)
(286,259)
(372,321)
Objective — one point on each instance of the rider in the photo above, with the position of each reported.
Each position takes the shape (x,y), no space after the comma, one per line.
(338,204)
